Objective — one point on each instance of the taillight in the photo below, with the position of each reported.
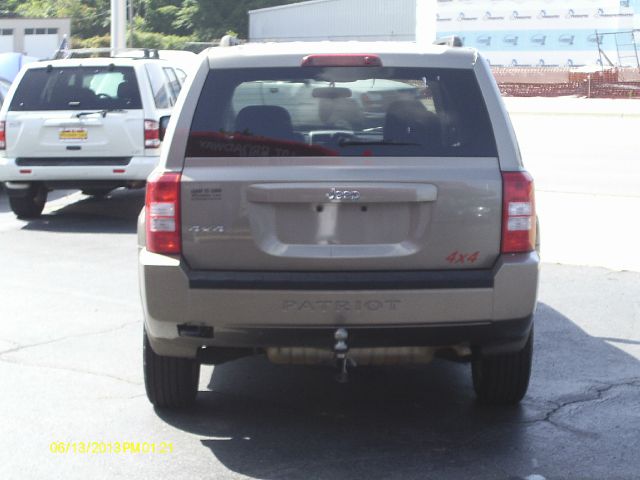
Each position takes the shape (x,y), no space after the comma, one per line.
(151,134)
(342,60)
(3,137)
(162,208)
(518,213)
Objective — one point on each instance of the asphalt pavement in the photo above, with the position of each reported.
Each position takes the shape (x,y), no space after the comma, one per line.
(71,370)
(72,403)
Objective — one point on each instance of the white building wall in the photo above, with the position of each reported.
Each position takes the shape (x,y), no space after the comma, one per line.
(41,46)
(6,43)
(507,32)
(50,32)
(541,32)
(338,20)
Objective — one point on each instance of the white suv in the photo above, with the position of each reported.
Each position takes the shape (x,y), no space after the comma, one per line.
(86,123)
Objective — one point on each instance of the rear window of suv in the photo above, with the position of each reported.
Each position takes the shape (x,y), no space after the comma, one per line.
(341,111)
(77,88)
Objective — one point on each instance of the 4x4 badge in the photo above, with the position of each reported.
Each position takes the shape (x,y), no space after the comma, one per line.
(335,194)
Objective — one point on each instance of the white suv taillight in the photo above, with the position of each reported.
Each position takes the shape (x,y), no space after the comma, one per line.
(3,137)
(518,213)
(162,208)
(151,134)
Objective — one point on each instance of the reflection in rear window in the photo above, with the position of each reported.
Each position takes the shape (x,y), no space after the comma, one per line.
(77,88)
(344,111)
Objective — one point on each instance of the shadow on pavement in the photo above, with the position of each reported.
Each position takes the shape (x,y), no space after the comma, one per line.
(270,422)
(4,201)
(54,195)
(116,213)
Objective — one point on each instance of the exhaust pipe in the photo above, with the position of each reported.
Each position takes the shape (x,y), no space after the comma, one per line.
(360,356)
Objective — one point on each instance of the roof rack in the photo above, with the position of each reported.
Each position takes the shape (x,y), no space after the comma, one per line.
(226,41)
(108,53)
(450,41)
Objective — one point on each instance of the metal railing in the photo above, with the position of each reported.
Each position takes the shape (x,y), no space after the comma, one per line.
(626,48)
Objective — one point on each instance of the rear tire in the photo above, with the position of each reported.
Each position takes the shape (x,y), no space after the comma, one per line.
(503,379)
(29,205)
(170,382)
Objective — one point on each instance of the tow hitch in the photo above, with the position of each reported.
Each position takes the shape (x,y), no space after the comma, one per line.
(341,349)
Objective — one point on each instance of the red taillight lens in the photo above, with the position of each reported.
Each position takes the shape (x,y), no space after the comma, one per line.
(342,60)
(151,134)
(162,208)
(518,213)
(3,137)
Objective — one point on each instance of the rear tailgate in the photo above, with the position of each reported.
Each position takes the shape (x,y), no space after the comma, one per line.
(63,134)
(276,215)
(264,190)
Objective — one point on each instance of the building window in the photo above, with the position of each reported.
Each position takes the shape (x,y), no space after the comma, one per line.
(6,31)
(38,31)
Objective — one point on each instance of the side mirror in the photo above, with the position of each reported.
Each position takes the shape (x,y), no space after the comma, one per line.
(164,122)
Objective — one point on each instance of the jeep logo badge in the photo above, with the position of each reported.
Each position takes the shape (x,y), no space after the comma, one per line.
(335,194)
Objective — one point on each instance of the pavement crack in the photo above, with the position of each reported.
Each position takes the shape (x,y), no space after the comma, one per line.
(69,369)
(9,341)
(19,347)
(91,297)
(592,394)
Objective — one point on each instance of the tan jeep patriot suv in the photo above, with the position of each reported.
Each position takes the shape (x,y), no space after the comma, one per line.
(344,204)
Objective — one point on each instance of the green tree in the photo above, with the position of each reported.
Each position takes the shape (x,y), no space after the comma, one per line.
(201,20)
(88,17)
(209,19)
(161,16)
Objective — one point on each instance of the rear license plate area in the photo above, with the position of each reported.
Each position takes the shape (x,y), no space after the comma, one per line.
(73,134)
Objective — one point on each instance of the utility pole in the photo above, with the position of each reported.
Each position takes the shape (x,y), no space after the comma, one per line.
(130,23)
(426,21)
(118,25)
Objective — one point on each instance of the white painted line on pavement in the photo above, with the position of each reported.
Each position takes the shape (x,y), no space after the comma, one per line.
(62,202)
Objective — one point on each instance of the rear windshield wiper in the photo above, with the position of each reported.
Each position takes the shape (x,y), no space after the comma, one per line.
(100,112)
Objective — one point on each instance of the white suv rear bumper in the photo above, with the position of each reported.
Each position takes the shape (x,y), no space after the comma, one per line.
(138,168)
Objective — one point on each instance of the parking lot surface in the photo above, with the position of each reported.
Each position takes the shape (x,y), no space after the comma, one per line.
(71,365)
(71,369)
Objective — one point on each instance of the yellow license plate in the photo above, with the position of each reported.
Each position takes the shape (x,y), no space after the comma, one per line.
(73,134)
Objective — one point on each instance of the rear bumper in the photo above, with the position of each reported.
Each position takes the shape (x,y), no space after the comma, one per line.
(136,169)
(486,309)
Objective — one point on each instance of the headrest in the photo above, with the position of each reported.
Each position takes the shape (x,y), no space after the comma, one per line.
(265,121)
(409,121)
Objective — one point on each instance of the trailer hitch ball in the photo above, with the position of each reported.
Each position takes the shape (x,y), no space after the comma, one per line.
(340,349)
